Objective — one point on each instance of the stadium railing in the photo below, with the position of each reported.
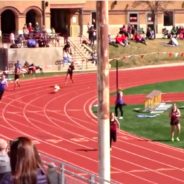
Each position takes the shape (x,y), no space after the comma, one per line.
(71,174)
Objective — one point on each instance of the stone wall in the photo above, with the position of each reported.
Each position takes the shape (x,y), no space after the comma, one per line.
(44,57)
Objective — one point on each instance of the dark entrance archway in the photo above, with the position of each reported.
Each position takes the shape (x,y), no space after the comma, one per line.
(8,24)
(33,16)
(60,20)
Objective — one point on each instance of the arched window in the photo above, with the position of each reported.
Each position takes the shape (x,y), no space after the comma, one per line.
(8,24)
(33,16)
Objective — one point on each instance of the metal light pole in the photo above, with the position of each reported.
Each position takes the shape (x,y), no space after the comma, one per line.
(103,89)
(117,76)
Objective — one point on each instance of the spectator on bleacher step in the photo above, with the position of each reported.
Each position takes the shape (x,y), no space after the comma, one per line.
(92,35)
(67,58)
(26,165)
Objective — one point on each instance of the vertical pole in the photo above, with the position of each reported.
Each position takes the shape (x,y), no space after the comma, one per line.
(43,12)
(62,173)
(103,90)
(117,76)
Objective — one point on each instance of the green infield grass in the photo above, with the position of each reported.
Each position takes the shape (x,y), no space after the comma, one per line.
(157,128)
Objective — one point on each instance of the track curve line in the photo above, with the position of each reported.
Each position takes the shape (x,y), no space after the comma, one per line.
(62,125)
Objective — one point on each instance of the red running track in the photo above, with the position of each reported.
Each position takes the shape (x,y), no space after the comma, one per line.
(63,127)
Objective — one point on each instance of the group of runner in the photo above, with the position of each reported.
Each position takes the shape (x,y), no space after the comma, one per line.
(17,73)
(119,103)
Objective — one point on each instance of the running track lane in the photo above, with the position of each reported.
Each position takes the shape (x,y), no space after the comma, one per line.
(62,126)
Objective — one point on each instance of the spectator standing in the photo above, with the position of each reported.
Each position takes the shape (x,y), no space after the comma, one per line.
(119,104)
(4,159)
(12,38)
(175,122)
(92,35)
(25,31)
(114,125)
(30,28)
(37,27)
(67,58)
(26,165)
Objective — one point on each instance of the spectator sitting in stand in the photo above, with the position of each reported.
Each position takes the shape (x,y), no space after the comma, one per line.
(26,165)
(149,34)
(121,39)
(174,31)
(112,41)
(139,38)
(173,41)
(4,159)
(165,33)
(181,32)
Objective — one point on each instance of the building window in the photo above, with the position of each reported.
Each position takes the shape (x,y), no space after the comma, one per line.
(133,18)
(168,18)
(150,18)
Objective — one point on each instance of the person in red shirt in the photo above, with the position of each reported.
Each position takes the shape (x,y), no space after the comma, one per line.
(139,38)
(114,125)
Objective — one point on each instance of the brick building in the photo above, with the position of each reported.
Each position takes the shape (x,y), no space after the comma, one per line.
(72,16)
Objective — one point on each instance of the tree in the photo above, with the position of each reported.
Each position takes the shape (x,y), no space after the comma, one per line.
(154,7)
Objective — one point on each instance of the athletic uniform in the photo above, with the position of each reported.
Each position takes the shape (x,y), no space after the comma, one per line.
(113,130)
(3,85)
(119,105)
(17,73)
(174,118)
(70,70)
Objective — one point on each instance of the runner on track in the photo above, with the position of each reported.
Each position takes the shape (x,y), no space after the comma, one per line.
(114,125)
(70,70)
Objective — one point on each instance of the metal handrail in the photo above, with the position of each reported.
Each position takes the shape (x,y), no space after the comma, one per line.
(76,172)
(77,48)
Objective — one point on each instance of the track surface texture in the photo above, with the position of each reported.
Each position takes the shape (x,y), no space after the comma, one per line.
(63,127)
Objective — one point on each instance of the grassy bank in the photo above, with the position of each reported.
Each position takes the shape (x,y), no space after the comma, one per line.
(155,52)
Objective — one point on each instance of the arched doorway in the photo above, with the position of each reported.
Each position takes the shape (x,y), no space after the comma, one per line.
(8,24)
(60,20)
(33,16)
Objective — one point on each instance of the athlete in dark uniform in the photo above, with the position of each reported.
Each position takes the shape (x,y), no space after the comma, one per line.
(114,124)
(17,75)
(70,70)
(175,122)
